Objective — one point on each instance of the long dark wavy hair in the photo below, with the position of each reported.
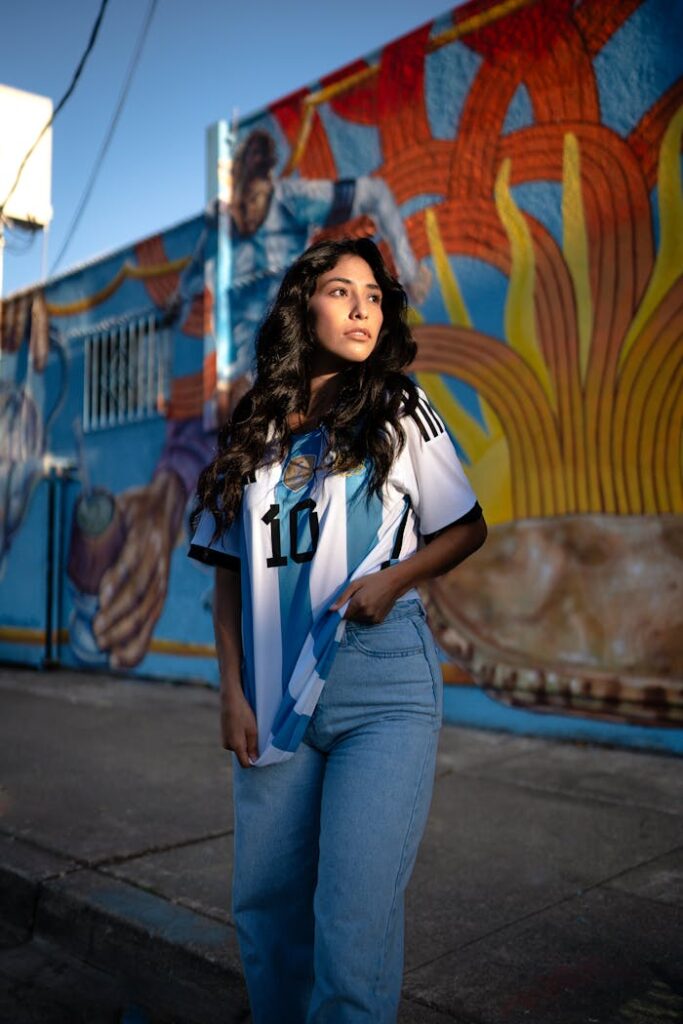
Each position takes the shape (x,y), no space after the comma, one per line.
(370,397)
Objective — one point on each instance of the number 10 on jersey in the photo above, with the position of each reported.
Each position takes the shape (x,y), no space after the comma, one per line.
(272,519)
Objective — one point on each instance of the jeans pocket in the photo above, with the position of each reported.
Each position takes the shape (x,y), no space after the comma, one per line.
(393,638)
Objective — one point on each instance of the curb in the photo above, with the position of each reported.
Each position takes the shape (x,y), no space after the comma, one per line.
(182,963)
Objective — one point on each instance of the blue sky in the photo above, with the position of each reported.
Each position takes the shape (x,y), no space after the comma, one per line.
(201,60)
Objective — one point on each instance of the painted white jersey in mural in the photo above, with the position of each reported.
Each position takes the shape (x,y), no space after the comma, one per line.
(302,534)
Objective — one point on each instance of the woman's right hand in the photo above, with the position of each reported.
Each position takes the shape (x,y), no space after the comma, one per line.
(238,726)
(238,722)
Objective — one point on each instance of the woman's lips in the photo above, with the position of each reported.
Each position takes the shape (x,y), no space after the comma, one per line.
(359,332)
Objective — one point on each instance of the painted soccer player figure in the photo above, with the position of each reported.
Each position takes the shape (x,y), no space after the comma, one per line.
(273,219)
(336,489)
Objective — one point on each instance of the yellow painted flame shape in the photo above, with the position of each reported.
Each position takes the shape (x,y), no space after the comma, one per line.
(588,434)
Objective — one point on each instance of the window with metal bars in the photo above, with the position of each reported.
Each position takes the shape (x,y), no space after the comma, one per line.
(126,372)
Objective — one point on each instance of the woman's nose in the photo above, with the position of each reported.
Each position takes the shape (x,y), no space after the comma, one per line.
(359,311)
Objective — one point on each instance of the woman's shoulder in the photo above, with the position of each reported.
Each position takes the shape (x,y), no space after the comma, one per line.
(414,415)
(402,395)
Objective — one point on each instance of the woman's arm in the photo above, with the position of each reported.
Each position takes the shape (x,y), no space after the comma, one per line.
(238,723)
(372,596)
(451,547)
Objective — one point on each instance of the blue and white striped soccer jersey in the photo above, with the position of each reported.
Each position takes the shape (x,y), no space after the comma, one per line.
(301,536)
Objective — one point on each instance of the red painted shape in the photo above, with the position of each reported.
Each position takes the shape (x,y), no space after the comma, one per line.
(475,151)
(358,104)
(561,83)
(317,160)
(402,117)
(288,112)
(646,138)
(598,21)
(522,36)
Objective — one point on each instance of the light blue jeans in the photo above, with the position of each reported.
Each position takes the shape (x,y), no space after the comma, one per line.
(325,842)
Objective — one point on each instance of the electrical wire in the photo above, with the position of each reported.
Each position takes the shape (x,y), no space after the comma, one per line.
(76,75)
(97,166)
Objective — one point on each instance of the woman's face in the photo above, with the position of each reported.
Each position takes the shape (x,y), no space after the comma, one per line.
(346,313)
(250,205)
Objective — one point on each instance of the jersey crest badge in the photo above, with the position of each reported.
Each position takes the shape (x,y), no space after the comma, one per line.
(299,471)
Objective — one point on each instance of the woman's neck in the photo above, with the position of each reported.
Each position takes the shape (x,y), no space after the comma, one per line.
(323,393)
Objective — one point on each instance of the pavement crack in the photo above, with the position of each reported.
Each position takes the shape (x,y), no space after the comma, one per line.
(541,910)
(182,844)
(580,798)
(74,863)
(429,1004)
(634,867)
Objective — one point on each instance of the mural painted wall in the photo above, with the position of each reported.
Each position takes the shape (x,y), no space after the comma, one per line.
(91,516)
(519,163)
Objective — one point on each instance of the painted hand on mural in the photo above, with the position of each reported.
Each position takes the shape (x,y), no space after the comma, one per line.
(133,590)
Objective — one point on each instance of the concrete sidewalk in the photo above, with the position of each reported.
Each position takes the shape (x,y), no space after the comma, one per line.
(548,888)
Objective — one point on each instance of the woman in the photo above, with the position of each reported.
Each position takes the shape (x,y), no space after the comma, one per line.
(335,490)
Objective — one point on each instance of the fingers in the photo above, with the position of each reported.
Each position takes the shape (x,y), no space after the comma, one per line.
(252,742)
(139,577)
(132,592)
(129,573)
(133,617)
(369,598)
(369,610)
(345,595)
(130,652)
(356,615)
(242,758)
(347,604)
(239,731)
(244,744)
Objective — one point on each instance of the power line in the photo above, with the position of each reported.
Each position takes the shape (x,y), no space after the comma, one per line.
(65,97)
(135,59)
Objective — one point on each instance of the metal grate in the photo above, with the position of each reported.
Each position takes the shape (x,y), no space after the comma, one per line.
(126,373)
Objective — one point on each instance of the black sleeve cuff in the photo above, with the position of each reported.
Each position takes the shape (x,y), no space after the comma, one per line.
(210,557)
(474,514)
(342,202)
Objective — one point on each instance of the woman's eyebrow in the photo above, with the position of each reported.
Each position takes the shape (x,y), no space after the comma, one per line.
(346,280)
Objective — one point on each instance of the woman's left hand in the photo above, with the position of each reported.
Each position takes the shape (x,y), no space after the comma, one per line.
(370,597)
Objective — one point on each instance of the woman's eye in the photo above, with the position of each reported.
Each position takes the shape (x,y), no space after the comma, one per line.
(338,291)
